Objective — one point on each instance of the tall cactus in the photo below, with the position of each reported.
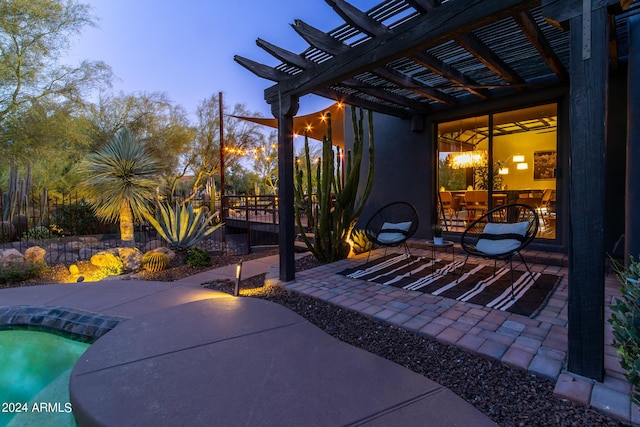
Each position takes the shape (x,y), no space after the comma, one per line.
(338,206)
(16,199)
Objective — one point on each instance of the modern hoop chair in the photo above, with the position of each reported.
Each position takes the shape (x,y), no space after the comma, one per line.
(500,234)
(392,225)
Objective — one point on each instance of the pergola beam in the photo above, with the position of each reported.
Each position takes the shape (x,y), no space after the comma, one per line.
(446,22)
(384,94)
(537,38)
(477,48)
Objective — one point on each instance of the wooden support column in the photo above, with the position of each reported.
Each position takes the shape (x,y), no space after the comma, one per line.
(588,121)
(632,211)
(284,110)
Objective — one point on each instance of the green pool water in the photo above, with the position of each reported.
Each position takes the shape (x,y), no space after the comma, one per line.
(34,378)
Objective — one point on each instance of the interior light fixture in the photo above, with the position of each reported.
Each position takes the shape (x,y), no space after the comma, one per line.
(467,159)
(518,158)
(522,166)
(503,171)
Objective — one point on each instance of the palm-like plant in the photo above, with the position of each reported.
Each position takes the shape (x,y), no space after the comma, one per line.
(120,182)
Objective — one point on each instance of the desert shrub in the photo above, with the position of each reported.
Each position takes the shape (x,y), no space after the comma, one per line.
(111,264)
(37,233)
(77,219)
(625,319)
(197,258)
(155,261)
(20,271)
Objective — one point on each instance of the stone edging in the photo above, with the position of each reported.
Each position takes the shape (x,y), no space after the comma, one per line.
(76,324)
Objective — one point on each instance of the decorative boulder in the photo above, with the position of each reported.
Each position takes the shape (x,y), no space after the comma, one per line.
(88,240)
(87,253)
(10,256)
(35,254)
(171,254)
(108,260)
(73,246)
(131,258)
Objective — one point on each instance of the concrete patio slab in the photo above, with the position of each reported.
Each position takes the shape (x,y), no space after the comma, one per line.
(118,297)
(243,361)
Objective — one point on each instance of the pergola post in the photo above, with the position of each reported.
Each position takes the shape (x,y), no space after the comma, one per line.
(284,110)
(588,125)
(632,225)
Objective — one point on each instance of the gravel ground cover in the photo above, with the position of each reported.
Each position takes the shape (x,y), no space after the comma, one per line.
(507,396)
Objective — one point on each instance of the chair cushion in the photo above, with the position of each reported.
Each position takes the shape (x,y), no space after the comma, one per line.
(500,238)
(393,232)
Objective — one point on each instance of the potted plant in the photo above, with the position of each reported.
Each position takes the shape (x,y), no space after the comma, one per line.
(437,235)
(625,318)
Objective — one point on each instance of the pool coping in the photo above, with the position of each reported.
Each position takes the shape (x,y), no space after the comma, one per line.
(76,324)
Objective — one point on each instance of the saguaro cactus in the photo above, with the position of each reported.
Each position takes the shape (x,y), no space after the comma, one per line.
(339,206)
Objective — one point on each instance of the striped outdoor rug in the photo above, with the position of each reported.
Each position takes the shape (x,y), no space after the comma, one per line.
(477,285)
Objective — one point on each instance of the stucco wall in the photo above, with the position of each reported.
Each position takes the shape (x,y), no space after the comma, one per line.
(403,169)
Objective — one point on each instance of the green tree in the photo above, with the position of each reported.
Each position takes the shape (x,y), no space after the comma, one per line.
(153,120)
(121,181)
(265,163)
(451,179)
(33,35)
(240,138)
(51,138)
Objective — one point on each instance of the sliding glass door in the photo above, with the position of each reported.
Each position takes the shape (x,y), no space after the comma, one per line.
(507,157)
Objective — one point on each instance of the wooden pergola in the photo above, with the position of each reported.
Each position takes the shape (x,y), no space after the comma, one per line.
(416,58)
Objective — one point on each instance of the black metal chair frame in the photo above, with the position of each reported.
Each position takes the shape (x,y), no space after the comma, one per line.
(506,214)
(393,213)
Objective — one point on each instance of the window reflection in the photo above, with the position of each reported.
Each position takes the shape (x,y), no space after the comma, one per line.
(514,161)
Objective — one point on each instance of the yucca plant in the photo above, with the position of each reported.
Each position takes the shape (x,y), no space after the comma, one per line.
(181,225)
(120,182)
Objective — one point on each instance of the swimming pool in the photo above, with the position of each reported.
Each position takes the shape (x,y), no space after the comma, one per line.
(34,377)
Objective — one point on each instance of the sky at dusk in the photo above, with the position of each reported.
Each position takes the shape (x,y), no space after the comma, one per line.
(185,48)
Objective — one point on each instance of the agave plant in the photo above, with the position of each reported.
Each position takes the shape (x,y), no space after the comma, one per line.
(182,226)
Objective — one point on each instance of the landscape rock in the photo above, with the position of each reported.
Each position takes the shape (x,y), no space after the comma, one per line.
(10,256)
(87,253)
(131,258)
(35,254)
(88,240)
(73,246)
(107,259)
(171,254)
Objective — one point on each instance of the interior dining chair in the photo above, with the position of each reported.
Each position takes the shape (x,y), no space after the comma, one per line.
(391,226)
(543,209)
(449,208)
(476,202)
(500,234)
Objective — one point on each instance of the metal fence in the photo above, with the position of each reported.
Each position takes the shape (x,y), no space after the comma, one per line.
(69,231)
